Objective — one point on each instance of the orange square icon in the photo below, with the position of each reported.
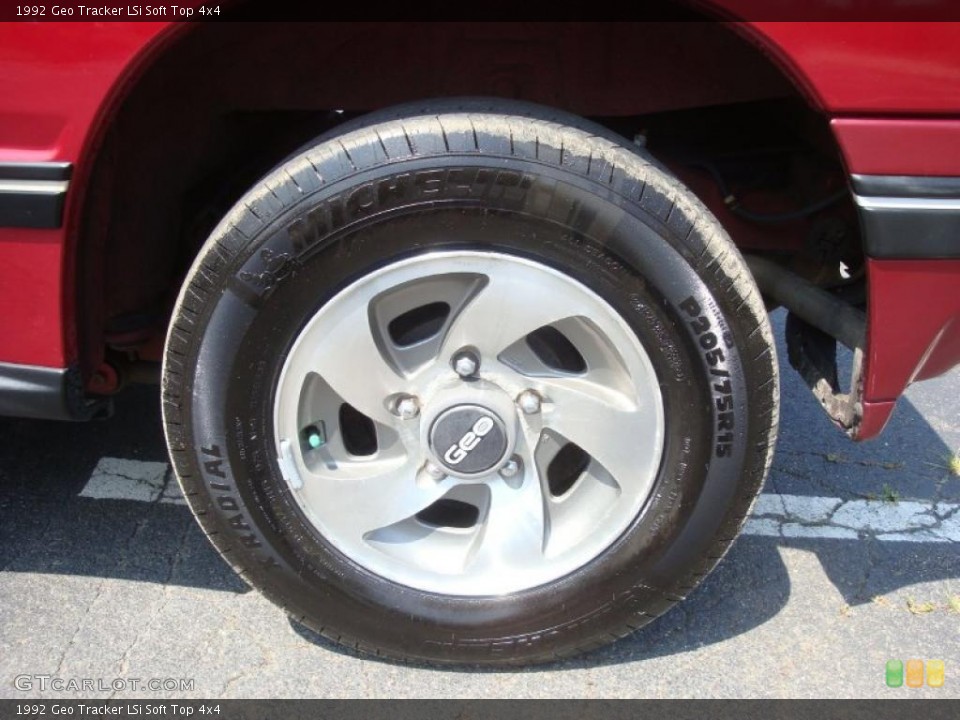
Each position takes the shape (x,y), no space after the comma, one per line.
(914,673)
(935,673)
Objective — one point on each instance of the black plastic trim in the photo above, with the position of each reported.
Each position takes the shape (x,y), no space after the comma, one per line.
(47,393)
(35,171)
(906,186)
(911,234)
(909,217)
(31,210)
(32,195)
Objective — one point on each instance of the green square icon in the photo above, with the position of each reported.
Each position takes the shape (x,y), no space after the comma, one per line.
(894,673)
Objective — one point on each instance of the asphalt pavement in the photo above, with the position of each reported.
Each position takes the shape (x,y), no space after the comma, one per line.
(852,558)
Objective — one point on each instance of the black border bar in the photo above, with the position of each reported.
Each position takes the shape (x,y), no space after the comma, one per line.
(511,10)
(900,708)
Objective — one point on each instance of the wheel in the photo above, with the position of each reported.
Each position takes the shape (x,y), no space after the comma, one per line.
(470,383)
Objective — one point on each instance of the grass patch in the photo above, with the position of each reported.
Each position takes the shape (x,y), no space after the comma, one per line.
(920,608)
(889,494)
(953,464)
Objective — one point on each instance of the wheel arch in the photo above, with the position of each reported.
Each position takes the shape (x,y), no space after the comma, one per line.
(126,249)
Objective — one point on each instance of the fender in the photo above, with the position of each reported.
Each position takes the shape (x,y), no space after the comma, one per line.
(63,84)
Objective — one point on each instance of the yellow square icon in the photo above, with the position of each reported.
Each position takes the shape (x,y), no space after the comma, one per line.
(914,673)
(935,673)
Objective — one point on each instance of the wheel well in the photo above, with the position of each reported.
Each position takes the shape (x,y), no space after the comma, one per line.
(226,102)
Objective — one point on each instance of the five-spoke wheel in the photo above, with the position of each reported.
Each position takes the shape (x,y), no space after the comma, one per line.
(469,423)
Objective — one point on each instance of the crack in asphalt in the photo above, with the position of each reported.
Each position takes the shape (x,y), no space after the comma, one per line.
(175,559)
(853,517)
(121,559)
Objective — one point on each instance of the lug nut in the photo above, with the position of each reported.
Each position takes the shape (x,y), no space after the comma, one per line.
(466,364)
(530,402)
(434,471)
(406,407)
(510,468)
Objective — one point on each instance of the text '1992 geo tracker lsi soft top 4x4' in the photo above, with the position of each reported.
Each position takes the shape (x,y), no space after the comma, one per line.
(462,329)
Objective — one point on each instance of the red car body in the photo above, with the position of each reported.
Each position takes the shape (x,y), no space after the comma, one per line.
(891,92)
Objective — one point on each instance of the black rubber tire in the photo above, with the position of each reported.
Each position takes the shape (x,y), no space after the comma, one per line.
(469,174)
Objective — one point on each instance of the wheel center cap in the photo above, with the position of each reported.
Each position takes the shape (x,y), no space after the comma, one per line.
(469,439)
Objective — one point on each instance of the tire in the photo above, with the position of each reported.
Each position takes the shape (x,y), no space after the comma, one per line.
(547,202)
